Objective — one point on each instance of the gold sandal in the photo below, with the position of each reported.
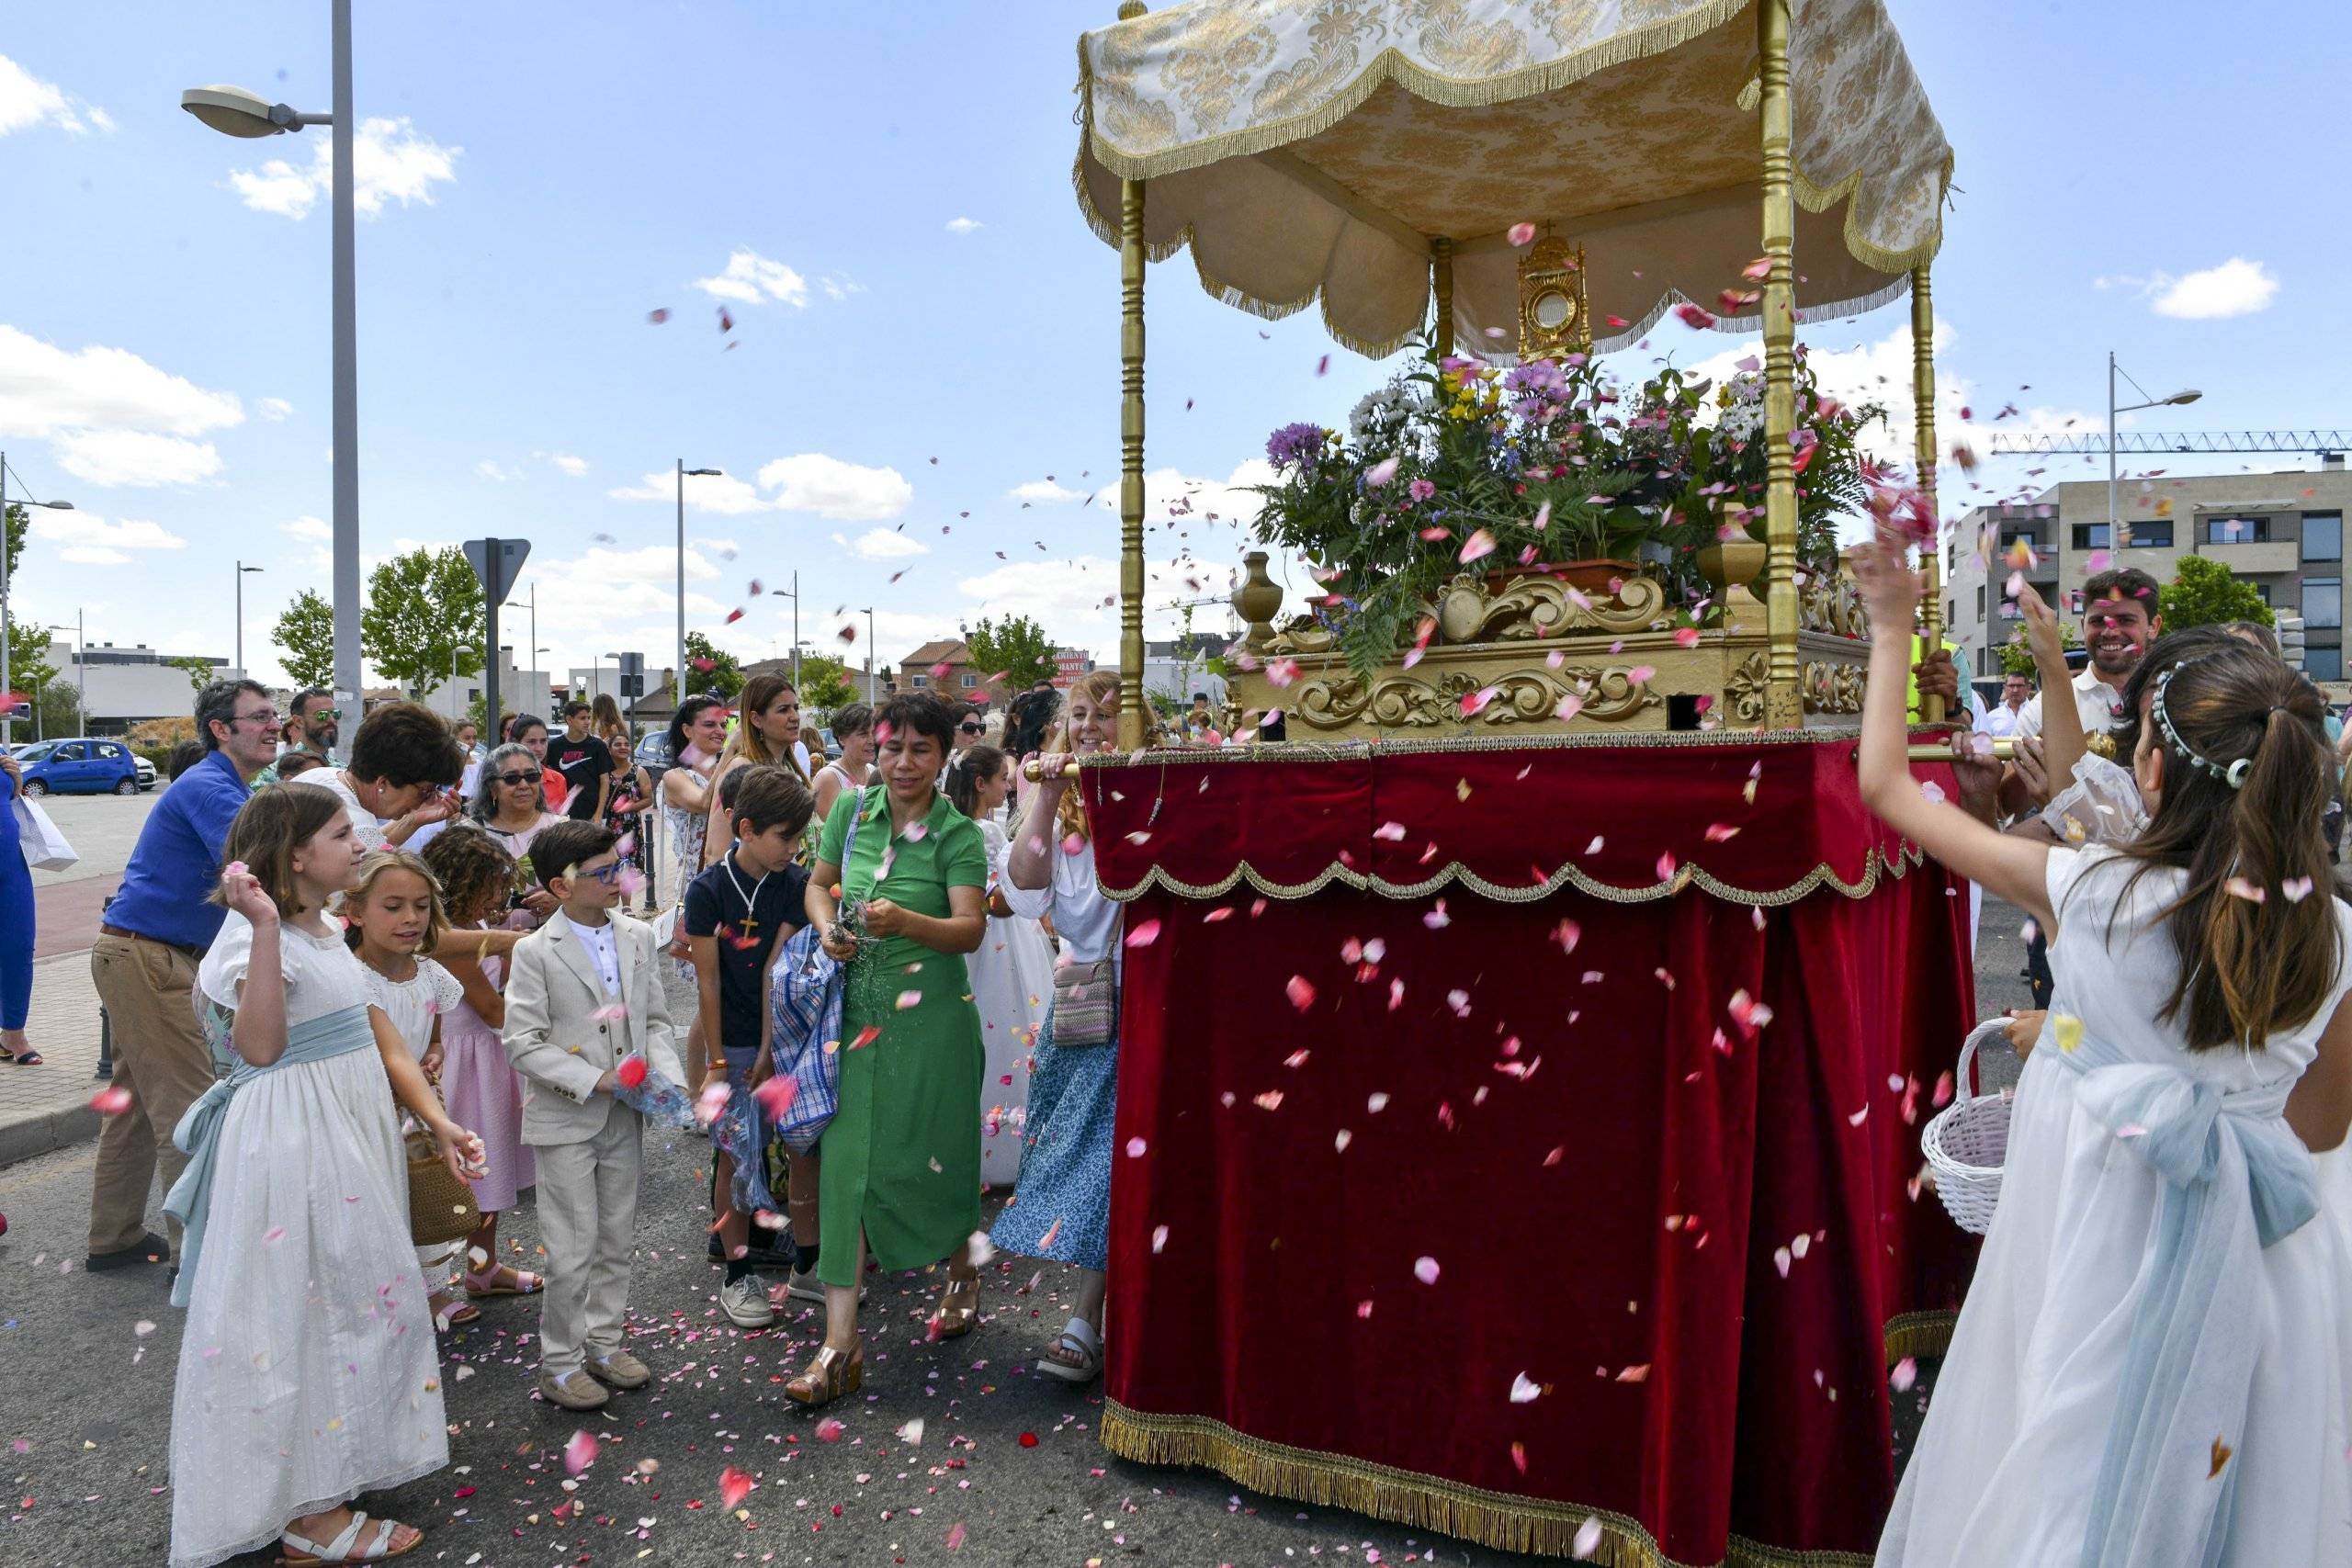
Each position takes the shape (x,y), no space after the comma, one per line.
(833,1374)
(959,1307)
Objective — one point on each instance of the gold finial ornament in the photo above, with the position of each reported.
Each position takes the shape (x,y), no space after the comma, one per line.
(1552,320)
(1130,9)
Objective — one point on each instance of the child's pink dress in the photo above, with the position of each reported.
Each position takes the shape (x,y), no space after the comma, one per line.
(484,1096)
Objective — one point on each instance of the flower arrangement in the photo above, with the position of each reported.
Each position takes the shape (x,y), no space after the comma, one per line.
(1457,462)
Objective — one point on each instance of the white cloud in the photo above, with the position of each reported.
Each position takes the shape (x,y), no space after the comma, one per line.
(273,409)
(134,458)
(752,278)
(27,101)
(963,225)
(570,466)
(725,549)
(45,390)
(811,481)
(1044,492)
(89,528)
(308,528)
(2236,287)
(489,468)
(724,494)
(390,161)
(1189,501)
(840,288)
(92,555)
(882,544)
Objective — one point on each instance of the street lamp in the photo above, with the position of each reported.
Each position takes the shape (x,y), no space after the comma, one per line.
(873,657)
(792,594)
(685,473)
(8,708)
(241,570)
(233,111)
(2187,395)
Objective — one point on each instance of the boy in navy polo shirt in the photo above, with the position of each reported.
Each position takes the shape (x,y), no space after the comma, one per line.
(735,912)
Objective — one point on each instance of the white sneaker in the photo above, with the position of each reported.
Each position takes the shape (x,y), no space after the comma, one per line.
(802,1285)
(745,1302)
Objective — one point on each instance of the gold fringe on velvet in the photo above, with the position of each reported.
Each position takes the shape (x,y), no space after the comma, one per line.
(1914,1334)
(1425,1502)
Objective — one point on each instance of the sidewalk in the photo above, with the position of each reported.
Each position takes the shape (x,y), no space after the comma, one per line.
(47,1107)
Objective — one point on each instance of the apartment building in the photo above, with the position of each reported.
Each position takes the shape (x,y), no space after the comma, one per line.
(2281,532)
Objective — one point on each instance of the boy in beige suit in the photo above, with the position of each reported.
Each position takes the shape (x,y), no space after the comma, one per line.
(583,993)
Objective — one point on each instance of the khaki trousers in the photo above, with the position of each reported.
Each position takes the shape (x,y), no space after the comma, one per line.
(587,1203)
(147,990)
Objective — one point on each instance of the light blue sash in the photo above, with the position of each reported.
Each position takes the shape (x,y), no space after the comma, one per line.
(199,1134)
(2236,1180)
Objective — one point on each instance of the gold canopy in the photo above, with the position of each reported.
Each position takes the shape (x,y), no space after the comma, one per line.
(1317,147)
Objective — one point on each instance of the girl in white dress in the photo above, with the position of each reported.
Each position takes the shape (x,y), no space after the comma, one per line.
(2150,1368)
(1011,974)
(394,921)
(306,1371)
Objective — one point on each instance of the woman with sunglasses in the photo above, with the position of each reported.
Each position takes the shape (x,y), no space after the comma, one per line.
(511,805)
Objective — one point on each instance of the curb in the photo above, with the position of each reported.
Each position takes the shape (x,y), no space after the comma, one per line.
(42,1133)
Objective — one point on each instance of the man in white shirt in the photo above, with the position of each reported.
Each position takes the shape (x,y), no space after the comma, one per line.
(2002,718)
(2119,620)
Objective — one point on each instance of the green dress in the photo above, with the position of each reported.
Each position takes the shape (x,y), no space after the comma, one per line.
(902,1155)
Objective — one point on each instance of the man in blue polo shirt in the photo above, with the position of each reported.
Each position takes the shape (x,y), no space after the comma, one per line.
(155,930)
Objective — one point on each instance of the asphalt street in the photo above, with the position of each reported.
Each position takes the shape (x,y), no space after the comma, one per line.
(1003,1469)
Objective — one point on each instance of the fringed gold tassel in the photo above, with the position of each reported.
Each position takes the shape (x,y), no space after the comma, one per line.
(1424,1502)
(1915,1333)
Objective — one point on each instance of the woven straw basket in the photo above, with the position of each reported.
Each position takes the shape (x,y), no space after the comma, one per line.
(440,1207)
(1967,1140)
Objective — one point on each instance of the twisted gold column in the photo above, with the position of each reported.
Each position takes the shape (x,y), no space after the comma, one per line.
(1441,284)
(1131,264)
(1923,398)
(1785,696)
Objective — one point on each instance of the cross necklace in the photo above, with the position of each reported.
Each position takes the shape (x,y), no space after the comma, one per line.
(749,924)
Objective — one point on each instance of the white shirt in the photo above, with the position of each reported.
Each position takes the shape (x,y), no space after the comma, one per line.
(800,753)
(2101,706)
(364,828)
(2001,720)
(1087,922)
(603,945)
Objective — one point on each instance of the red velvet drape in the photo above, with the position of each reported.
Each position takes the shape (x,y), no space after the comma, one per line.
(1688,1225)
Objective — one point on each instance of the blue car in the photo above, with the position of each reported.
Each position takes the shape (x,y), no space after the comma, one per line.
(79,767)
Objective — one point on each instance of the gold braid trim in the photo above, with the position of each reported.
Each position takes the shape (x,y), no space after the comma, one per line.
(1917,1334)
(1499,1519)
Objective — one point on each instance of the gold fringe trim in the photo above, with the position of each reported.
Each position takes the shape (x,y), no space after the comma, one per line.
(1499,1519)
(1915,1333)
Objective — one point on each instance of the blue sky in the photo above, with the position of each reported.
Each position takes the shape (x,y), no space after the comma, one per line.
(552,173)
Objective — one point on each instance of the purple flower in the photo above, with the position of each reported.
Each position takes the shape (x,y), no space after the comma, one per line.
(1421,489)
(1294,444)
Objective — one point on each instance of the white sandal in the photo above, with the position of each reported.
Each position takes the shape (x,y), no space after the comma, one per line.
(1080,1338)
(302,1553)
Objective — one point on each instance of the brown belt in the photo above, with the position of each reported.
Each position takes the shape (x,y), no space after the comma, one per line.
(193,952)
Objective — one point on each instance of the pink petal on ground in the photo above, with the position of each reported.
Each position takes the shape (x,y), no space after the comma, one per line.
(579,1453)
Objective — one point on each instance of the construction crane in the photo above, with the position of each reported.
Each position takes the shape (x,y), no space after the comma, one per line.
(2324,442)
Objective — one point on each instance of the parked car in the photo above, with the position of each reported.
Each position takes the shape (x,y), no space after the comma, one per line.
(833,747)
(653,754)
(81,766)
(146,772)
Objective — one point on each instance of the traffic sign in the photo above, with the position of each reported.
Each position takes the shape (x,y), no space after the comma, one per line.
(495,563)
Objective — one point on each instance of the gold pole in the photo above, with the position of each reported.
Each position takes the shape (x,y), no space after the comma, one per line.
(1441,284)
(1923,397)
(1131,263)
(1785,696)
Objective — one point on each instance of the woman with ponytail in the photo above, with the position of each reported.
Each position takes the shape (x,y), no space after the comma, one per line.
(2151,1365)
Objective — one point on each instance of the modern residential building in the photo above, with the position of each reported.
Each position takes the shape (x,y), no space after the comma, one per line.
(2281,532)
(1178,668)
(959,682)
(123,686)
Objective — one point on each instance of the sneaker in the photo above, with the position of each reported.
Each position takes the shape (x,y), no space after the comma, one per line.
(619,1370)
(802,1285)
(574,1391)
(149,1248)
(745,1302)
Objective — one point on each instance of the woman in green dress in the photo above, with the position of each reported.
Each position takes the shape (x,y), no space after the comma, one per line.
(902,1155)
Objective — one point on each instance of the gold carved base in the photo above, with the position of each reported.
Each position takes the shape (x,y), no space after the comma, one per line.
(1539,650)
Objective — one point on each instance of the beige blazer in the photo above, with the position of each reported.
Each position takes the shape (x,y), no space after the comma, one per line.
(557,1042)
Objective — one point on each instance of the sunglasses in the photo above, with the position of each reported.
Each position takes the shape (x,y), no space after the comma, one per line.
(518,778)
(968,728)
(326,713)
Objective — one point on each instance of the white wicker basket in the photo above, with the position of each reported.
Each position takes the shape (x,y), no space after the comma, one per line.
(1967,1140)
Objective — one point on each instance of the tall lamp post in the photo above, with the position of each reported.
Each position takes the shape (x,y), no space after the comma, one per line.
(685,473)
(792,594)
(233,111)
(2187,395)
(873,661)
(241,570)
(8,708)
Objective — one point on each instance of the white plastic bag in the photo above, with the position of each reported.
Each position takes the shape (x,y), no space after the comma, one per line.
(45,847)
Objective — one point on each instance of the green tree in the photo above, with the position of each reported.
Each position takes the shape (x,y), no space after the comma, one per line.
(28,666)
(825,682)
(17,523)
(2202,592)
(59,711)
(1016,649)
(305,639)
(709,669)
(423,618)
(199,670)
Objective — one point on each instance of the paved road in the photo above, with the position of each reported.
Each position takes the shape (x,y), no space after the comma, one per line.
(87,1404)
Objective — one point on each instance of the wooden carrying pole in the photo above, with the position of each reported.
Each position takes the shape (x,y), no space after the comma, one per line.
(1442,286)
(1923,399)
(1132,712)
(1784,694)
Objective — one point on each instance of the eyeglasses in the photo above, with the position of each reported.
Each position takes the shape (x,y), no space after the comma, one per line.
(263,715)
(602,872)
(518,778)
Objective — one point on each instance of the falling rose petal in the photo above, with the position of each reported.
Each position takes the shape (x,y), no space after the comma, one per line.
(1635,1375)
(1425,1270)
(1144,933)
(1301,991)
(775,1094)
(734,1485)
(656,317)
(1781,1260)
(1694,316)
(907,1000)
(274,1233)
(1519,1457)
(1437,920)
(111,1102)
(1159,1237)
(631,1072)
(1270,1100)
(1525,1390)
(2295,889)
(579,1453)
(1588,1539)
(1906,1373)
(1136,1148)
(1477,546)
(1340,1140)
(1686,636)
(709,1103)
(829,1430)
(1522,233)
(2131,1130)
(1666,868)
(1474,702)
(1379,473)
(1569,706)
(955,1536)
(1640,674)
